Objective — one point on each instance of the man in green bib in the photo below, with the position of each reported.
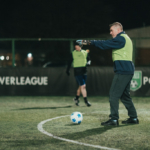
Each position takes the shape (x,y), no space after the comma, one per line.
(122,49)
(79,58)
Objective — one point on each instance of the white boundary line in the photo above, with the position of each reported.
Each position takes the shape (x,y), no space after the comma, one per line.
(40,128)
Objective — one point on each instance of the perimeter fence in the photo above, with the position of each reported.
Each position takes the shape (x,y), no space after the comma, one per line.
(43,52)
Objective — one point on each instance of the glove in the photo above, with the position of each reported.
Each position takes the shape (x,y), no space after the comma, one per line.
(86,42)
(89,62)
(83,42)
(68,73)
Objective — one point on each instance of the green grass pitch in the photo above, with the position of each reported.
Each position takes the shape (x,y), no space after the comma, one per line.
(19,117)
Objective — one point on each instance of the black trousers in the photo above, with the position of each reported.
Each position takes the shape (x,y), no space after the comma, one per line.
(120,89)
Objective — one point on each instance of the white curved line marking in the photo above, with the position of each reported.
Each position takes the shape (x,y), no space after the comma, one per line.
(40,128)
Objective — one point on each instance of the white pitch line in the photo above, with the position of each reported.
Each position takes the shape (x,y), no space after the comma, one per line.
(40,128)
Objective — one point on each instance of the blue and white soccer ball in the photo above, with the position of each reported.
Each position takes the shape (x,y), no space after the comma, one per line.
(76,117)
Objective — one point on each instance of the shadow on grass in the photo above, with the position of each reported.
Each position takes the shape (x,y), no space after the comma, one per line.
(90,132)
(72,124)
(20,144)
(42,108)
(23,143)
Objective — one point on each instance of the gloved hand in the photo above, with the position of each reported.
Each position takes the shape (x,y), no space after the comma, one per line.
(83,42)
(68,73)
(89,62)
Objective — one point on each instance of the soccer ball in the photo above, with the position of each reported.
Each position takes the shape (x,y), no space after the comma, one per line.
(76,117)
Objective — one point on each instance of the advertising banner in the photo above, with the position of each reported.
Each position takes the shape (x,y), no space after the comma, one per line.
(54,81)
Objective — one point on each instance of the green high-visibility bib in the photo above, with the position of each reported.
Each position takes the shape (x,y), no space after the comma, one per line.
(79,58)
(124,53)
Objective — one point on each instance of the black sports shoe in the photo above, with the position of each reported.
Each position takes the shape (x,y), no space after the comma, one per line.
(88,103)
(110,123)
(131,121)
(76,101)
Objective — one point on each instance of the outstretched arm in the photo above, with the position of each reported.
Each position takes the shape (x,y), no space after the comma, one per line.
(115,43)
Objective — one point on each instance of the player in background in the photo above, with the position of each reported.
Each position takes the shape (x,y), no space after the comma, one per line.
(80,60)
(122,49)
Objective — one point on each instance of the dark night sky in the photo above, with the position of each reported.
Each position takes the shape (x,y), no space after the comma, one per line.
(69,19)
